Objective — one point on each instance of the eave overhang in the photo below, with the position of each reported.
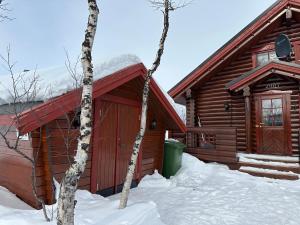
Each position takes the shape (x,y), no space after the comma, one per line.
(273,67)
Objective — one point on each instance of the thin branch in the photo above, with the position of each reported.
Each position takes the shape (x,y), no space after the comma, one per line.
(22,93)
(172,5)
(4,10)
(73,70)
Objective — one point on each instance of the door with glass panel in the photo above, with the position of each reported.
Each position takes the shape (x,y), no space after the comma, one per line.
(273,124)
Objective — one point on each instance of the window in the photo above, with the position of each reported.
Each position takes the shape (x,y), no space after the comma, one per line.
(264,57)
(272,112)
(296,45)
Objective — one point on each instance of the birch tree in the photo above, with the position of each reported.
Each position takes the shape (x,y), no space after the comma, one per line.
(166,6)
(66,200)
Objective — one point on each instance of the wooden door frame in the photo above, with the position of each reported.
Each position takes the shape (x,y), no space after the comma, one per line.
(95,152)
(138,167)
(286,101)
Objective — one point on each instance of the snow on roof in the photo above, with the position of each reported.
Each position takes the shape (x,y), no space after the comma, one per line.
(180,109)
(55,81)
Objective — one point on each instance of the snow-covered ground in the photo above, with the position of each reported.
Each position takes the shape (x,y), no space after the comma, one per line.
(202,194)
(90,209)
(210,194)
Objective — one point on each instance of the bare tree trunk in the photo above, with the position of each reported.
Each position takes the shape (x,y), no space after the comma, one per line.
(139,138)
(66,200)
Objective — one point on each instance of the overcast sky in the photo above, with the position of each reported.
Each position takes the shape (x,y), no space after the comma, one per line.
(42,29)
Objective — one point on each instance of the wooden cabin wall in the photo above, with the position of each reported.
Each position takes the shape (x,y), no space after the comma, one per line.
(16,171)
(153,143)
(62,145)
(58,132)
(211,96)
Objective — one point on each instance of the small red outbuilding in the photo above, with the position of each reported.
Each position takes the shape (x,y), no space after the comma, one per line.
(53,131)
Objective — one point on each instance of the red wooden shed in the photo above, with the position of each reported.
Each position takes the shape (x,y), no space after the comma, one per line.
(53,130)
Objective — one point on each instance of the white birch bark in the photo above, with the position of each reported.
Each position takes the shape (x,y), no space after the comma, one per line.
(139,138)
(66,200)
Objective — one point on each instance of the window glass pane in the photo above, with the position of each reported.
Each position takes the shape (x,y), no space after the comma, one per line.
(277,114)
(267,117)
(277,103)
(266,104)
(272,55)
(262,58)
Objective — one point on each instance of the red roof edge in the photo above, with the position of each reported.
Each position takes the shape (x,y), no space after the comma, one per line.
(45,112)
(165,102)
(33,118)
(220,54)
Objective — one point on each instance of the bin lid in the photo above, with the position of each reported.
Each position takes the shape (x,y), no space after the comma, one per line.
(175,143)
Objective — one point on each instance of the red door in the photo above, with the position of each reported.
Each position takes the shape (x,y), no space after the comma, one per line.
(115,128)
(273,124)
(128,125)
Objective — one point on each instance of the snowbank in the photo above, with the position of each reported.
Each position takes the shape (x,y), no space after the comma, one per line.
(90,209)
(9,200)
(211,194)
(155,181)
(199,194)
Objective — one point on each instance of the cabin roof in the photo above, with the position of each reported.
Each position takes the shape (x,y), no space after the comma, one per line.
(54,108)
(57,80)
(232,46)
(6,120)
(274,66)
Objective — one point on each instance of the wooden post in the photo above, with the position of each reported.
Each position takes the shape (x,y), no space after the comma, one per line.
(190,115)
(246,93)
(190,109)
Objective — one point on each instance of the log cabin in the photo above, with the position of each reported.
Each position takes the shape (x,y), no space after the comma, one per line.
(242,103)
(50,129)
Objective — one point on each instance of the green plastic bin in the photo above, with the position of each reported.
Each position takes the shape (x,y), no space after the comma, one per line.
(172,157)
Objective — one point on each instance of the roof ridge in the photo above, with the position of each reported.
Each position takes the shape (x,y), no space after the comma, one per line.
(192,76)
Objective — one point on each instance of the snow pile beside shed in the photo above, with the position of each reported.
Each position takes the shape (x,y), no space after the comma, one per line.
(90,209)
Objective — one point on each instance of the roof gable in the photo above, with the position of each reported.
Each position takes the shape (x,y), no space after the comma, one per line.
(234,45)
(279,67)
(54,108)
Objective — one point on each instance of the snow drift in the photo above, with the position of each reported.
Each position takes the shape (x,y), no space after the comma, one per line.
(90,209)
(199,194)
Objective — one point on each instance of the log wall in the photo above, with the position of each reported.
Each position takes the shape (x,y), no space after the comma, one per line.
(16,171)
(211,96)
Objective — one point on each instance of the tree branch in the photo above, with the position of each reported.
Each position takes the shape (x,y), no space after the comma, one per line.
(4,8)
(167,7)
(21,93)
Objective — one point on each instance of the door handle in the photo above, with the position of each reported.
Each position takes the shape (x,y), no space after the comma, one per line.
(258,126)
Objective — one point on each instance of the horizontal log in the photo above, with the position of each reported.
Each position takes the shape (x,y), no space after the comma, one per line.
(211,152)
(215,158)
(216,130)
